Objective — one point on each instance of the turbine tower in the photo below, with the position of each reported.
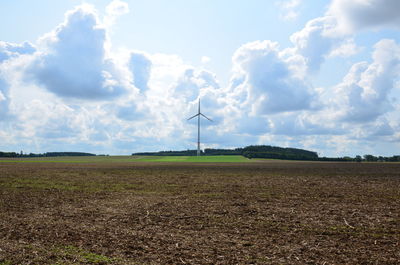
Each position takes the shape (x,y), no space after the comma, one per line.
(198,127)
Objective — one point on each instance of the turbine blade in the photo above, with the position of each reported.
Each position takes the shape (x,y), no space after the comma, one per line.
(205,116)
(193,116)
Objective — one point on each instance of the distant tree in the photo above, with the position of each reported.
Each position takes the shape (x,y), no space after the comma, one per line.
(8,154)
(347,158)
(370,158)
(50,154)
(274,152)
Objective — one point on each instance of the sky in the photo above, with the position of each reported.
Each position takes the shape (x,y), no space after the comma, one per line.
(117,77)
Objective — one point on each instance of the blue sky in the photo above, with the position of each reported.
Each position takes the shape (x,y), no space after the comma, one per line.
(118,77)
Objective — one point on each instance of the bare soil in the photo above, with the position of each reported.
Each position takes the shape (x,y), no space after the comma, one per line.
(169,213)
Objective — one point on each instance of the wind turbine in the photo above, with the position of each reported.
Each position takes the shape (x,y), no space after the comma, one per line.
(198,127)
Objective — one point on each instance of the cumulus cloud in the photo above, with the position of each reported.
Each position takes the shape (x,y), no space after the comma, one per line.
(140,65)
(247,124)
(269,99)
(352,16)
(381,129)
(4,102)
(205,59)
(115,9)
(11,50)
(74,62)
(265,81)
(289,9)
(190,84)
(169,99)
(303,124)
(364,93)
(315,42)
(8,52)
(50,124)
(346,48)
(4,96)
(269,95)
(329,35)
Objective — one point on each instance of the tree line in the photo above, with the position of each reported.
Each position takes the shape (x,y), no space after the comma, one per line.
(253,151)
(272,152)
(48,154)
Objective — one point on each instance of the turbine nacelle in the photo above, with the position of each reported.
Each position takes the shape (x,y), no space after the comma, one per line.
(201,114)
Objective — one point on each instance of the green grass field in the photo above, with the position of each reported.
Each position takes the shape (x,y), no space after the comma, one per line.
(209,159)
(124,159)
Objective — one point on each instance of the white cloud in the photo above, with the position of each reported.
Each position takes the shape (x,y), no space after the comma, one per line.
(289,9)
(74,62)
(140,66)
(366,89)
(364,14)
(381,129)
(329,35)
(315,42)
(205,59)
(84,98)
(115,9)
(188,86)
(263,80)
(8,52)
(345,49)
(11,50)
(303,124)
(364,93)
(4,101)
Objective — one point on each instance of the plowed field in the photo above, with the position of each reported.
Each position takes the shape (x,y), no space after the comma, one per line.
(269,212)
